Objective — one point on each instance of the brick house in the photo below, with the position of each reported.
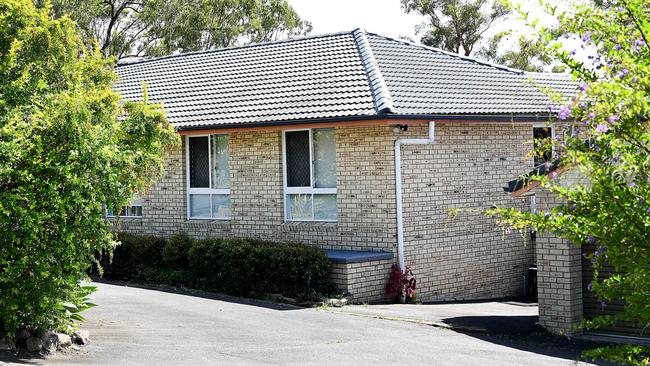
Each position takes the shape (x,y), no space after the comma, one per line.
(328,141)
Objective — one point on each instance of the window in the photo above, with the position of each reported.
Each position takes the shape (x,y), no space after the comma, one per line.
(542,134)
(133,209)
(208,177)
(310,175)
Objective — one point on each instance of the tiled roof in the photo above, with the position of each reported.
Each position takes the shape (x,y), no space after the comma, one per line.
(343,75)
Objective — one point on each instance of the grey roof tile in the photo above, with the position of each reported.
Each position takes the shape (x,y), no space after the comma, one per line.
(349,74)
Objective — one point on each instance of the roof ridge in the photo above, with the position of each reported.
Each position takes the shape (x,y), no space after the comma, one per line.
(217,50)
(452,54)
(380,93)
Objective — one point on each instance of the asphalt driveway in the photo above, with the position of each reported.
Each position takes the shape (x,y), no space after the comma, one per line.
(134,326)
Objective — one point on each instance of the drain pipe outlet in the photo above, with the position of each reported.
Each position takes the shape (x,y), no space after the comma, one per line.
(398,186)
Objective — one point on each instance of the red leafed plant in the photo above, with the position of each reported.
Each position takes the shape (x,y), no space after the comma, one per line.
(401,284)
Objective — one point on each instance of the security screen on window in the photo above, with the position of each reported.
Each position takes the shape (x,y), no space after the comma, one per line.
(310,175)
(208,177)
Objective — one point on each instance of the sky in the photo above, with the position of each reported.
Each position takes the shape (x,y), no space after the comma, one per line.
(384,17)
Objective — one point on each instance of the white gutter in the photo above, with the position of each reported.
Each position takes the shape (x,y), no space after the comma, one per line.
(398,185)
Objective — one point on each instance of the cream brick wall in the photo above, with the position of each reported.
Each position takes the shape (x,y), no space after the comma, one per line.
(559,277)
(466,257)
(366,280)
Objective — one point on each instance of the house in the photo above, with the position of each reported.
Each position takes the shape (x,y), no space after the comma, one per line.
(360,144)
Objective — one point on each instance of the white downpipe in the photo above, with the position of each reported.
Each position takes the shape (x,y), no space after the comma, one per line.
(398,185)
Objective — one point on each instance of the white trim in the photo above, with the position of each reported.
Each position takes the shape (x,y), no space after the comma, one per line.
(206,191)
(302,190)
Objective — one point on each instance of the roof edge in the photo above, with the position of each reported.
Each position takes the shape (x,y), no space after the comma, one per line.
(499,118)
(123,62)
(380,93)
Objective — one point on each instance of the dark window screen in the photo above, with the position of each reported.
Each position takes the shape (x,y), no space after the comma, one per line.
(298,164)
(199,162)
(540,136)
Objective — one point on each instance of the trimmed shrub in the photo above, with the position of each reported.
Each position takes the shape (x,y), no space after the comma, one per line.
(233,266)
(133,257)
(175,253)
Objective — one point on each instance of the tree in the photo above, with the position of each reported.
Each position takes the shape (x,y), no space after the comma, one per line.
(527,54)
(64,154)
(135,28)
(611,210)
(456,25)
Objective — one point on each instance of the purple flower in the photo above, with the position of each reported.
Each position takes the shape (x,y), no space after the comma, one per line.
(583,87)
(591,239)
(632,184)
(617,47)
(602,128)
(613,119)
(586,37)
(583,105)
(573,53)
(623,73)
(614,39)
(647,210)
(590,287)
(564,113)
(592,115)
(557,137)
(603,305)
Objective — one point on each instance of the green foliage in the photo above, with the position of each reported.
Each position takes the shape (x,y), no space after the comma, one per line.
(456,25)
(233,266)
(610,207)
(526,55)
(126,28)
(63,154)
(177,250)
(134,255)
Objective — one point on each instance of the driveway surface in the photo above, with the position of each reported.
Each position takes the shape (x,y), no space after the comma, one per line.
(135,326)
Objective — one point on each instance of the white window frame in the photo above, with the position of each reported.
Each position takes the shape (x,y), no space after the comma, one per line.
(302,190)
(131,204)
(542,125)
(210,191)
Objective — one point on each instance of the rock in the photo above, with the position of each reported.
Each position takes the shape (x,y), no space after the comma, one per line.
(53,341)
(80,337)
(64,340)
(22,335)
(6,344)
(34,344)
(338,303)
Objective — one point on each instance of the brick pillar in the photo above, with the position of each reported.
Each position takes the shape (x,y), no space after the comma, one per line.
(559,279)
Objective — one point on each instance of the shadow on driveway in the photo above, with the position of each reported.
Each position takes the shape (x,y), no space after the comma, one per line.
(523,333)
(205,295)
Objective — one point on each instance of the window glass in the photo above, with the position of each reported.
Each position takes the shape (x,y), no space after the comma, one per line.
(325,207)
(199,162)
(221,206)
(543,149)
(133,209)
(200,206)
(298,159)
(324,158)
(220,165)
(299,207)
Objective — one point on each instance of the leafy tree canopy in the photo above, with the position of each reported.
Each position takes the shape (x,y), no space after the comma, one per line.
(611,149)
(135,28)
(63,155)
(456,25)
(526,54)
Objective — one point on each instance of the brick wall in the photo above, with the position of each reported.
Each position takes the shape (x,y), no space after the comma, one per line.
(466,257)
(559,277)
(366,280)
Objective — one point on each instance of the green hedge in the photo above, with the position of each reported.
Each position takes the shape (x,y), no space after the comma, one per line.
(238,267)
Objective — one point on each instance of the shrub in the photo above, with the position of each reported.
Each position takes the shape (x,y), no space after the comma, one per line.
(133,257)
(176,251)
(242,267)
(63,155)
(233,266)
